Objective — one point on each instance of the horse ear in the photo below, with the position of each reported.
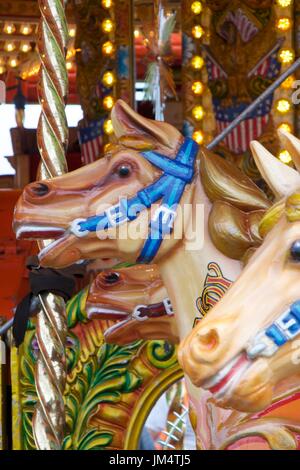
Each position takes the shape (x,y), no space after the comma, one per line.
(292,144)
(127,122)
(281,179)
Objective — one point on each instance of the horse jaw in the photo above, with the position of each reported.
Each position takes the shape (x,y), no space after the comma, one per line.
(69,249)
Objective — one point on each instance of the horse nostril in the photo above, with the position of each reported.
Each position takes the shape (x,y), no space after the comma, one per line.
(39,189)
(209,340)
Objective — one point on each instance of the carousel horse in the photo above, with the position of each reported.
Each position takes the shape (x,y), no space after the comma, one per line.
(196,229)
(258,366)
(137,297)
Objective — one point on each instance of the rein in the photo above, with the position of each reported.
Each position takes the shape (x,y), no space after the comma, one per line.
(169,187)
(285,328)
(161,309)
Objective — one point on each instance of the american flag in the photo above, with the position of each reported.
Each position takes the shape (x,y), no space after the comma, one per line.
(251,128)
(91,140)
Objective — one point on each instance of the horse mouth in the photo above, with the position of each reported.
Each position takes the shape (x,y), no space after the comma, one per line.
(34,232)
(106,313)
(225,379)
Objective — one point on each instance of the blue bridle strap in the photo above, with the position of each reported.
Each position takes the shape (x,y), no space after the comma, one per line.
(169,187)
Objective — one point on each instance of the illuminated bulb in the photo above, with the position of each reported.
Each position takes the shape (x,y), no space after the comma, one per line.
(197,31)
(284,156)
(106,3)
(283,106)
(136,33)
(108,79)
(198,112)
(198,136)
(284,3)
(10,46)
(69,65)
(108,127)
(25,29)
(13,62)
(108,48)
(196,7)
(288,83)
(25,47)
(107,25)
(285,127)
(283,24)
(2,69)
(197,62)
(9,28)
(108,102)
(72,32)
(286,56)
(197,88)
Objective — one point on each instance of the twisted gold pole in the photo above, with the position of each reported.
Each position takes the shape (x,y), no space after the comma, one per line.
(52,136)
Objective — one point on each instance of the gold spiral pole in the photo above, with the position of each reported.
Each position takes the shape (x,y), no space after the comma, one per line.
(52,136)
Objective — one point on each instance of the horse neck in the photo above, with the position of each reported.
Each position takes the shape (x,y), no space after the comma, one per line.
(184,271)
(184,274)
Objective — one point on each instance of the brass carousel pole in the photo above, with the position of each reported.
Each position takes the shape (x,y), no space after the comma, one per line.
(52,136)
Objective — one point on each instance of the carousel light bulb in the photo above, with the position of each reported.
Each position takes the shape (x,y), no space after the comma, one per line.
(283,106)
(108,79)
(25,29)
(283,24)
(72,32)
(285,156)
(25,47)
(9,28)
(69,65)
(13,62)
(197,31)
(10,46)
(198,112)
(108,48)
(2,69)
(285,126)
(284,3)
(197,88)
(196,7)
(197,62)
(108,102)
(198,136)
(288,83)
(108,127)
(136,33)
(106,3)
(286,56)
(107,25)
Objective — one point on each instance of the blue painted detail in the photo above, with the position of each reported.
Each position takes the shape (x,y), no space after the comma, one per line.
(295,310)
(169,187)
(276,335)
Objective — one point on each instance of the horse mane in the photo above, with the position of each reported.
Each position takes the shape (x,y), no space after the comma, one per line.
(289,206)
(238,204)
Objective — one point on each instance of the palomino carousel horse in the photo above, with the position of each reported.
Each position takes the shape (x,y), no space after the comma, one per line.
(196,231)
(256,369)
(137,297)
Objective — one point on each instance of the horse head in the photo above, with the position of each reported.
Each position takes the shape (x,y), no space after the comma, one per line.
(245,350)
(81,209)
(136,296)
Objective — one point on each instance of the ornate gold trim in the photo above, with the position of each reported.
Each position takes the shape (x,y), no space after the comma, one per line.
(147,400)
(15,355)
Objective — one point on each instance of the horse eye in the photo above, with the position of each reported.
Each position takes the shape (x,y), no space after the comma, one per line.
(124,171)
(295,251)
(111,278)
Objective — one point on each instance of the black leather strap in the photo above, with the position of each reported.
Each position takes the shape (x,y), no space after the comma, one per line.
(41,280)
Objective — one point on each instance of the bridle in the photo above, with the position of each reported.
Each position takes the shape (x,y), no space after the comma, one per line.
(168,188)
(285,328)
(160,309)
